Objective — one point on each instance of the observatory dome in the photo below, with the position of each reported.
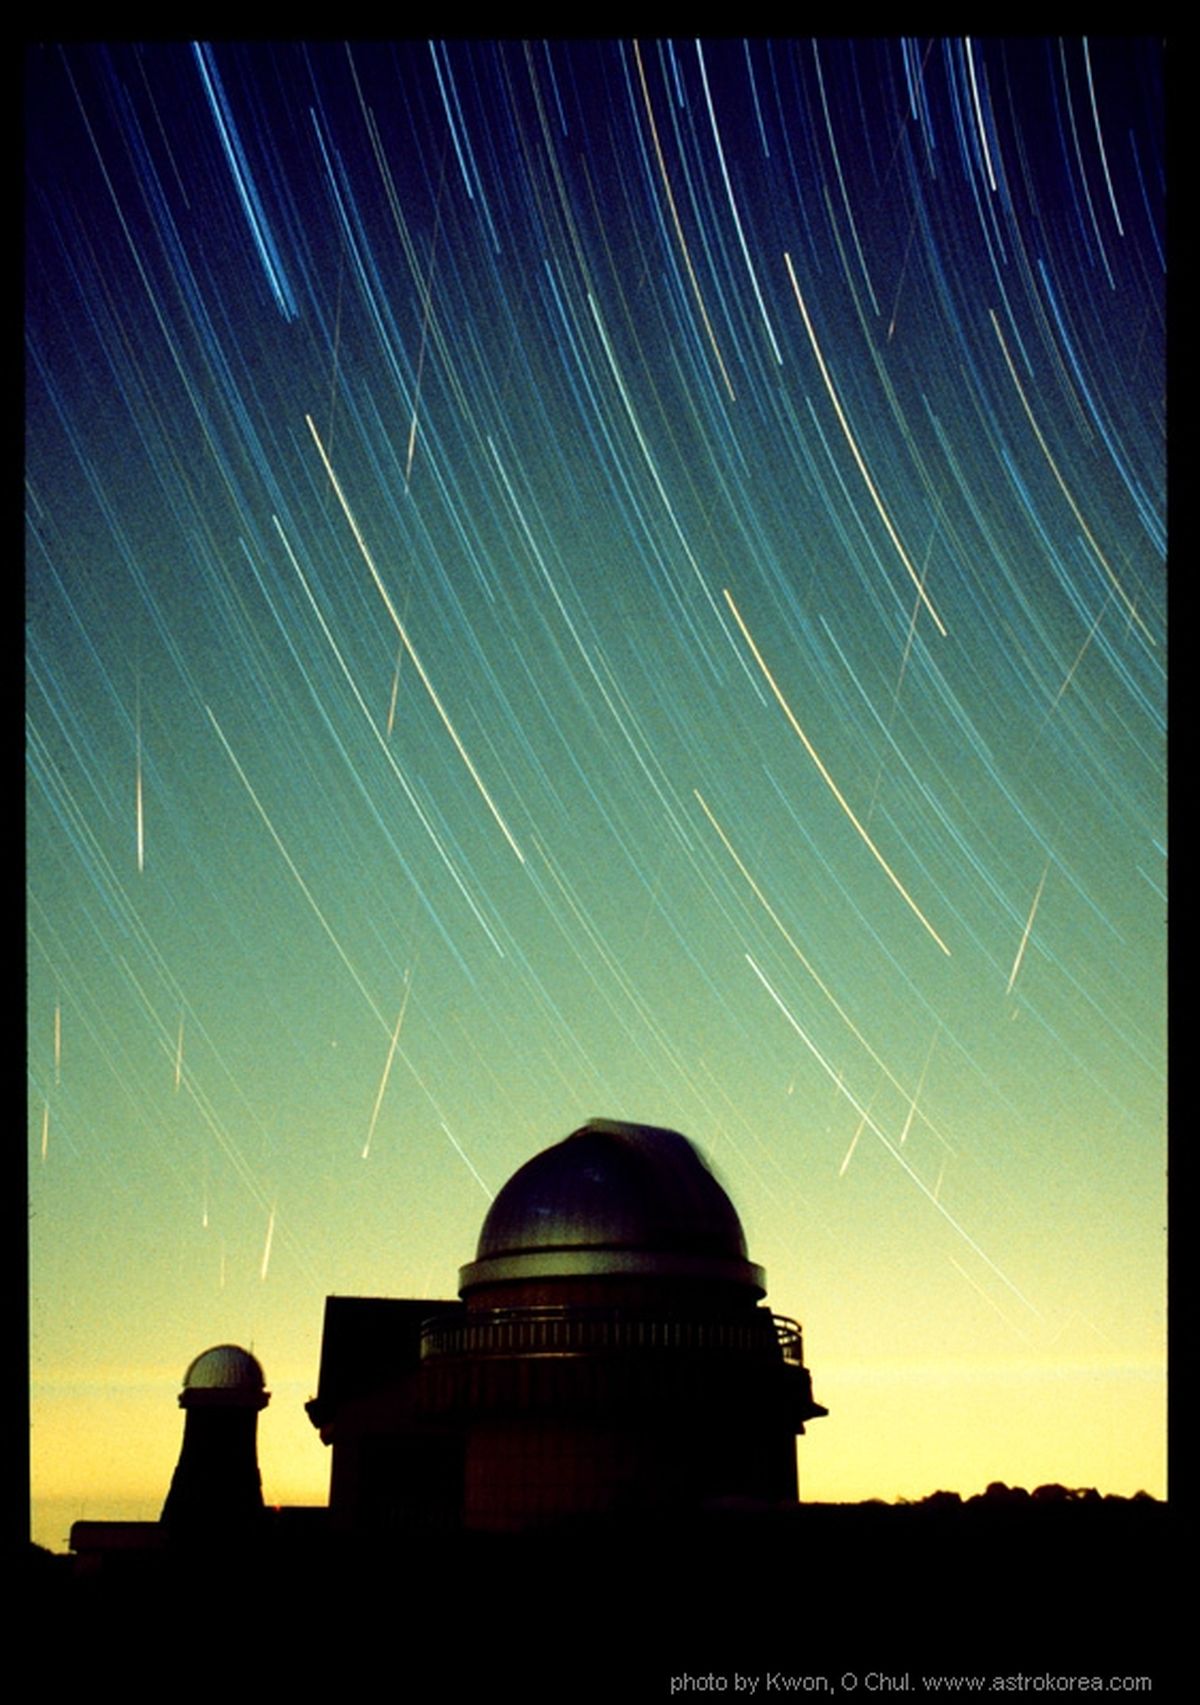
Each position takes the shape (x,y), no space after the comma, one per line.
(226,1372)
(613,1200)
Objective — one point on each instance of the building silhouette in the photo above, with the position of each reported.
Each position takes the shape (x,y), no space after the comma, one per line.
(610,1356)
(216,1488)
(215,1501)
(610,1359)
(578,1476)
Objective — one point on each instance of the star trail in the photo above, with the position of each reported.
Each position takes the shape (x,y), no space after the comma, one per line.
(610,578)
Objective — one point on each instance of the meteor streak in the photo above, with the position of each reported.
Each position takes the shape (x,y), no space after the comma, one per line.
(917,1093)
(141,839)
(687,258)
(891,1147)
(428,294)
(387,1070)
(853,1145)
(917,579)
(1070,675)
(1012,976)
(288,860)
(467,1161)
(828,779)
(813,973)
(323,921)
(991,1302)
(1130,607)
(408,644)
(266,1260)
(391,716)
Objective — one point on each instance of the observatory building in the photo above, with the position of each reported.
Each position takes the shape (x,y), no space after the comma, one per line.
(610,1356)
(215,1500)
(216,1488)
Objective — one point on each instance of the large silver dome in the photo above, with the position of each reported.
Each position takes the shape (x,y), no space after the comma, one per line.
(613,1200)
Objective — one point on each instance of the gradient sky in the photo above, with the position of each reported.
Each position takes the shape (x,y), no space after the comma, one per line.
(613,579)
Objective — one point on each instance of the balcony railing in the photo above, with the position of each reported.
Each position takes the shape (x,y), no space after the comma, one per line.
(566,1331)
(791,1340)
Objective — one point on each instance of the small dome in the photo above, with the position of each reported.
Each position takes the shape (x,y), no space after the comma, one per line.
(228,1369)
(613,1200)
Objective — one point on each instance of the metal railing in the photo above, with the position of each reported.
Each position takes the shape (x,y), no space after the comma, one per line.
(791,1340)
(566,1331)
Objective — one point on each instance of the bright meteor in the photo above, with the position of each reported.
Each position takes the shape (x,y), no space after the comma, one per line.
(1016,965)
(827,778)
(387,1070)
(890,1146)
(407,642)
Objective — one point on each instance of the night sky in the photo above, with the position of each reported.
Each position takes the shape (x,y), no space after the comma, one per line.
(599,579)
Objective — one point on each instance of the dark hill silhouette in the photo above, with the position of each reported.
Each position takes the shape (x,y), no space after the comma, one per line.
(1059,1581)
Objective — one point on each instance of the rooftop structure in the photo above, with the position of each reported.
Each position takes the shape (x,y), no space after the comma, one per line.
(216,1488)
(610,1355)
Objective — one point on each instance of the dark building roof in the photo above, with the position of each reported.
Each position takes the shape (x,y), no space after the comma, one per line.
(370,1344)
